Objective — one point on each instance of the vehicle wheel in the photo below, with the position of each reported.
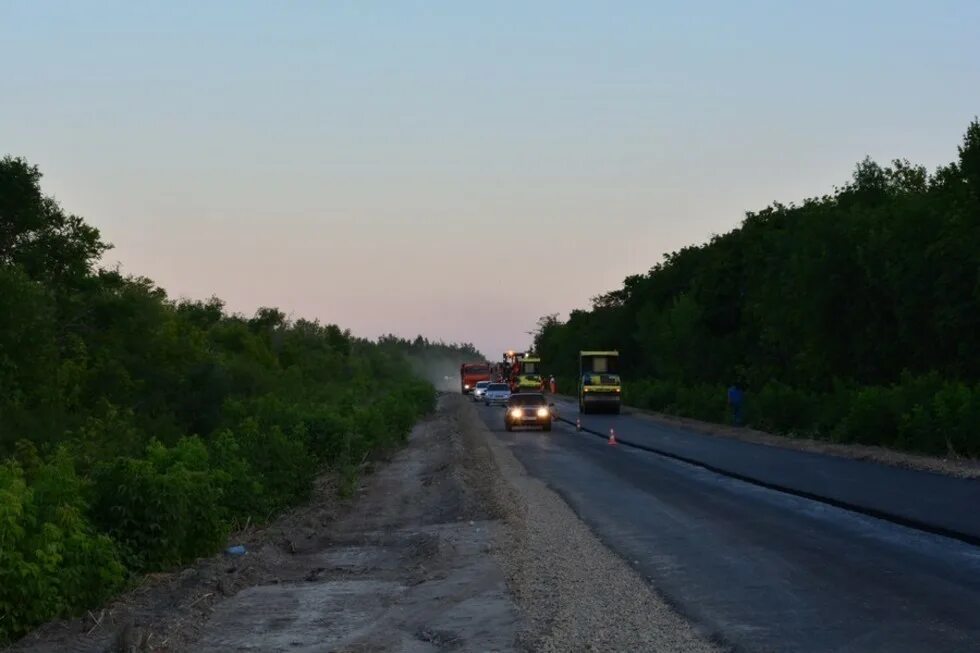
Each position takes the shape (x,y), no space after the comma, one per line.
(546,427)
(508,426)
(486,403)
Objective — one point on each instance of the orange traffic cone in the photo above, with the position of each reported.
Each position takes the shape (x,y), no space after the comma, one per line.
(612,437)
(578,424)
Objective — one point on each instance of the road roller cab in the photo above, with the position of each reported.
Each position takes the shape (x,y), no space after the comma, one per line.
(599,384)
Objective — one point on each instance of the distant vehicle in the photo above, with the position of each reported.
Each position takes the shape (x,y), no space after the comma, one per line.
(472,373)
(528,377)
(511,367)
(496,394)
(479,389)
(599,385)
(528,409)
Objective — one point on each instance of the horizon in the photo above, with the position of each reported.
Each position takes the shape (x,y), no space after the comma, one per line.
(364,167)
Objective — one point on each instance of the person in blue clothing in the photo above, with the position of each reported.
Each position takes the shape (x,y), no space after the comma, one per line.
(736,399)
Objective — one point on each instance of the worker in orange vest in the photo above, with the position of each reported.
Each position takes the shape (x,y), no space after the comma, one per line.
(554,387)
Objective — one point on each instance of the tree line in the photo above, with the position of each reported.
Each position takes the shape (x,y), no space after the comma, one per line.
(854,316)
(138,431)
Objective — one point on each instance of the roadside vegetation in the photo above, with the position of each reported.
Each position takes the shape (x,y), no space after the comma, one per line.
(852,317)
(137,432)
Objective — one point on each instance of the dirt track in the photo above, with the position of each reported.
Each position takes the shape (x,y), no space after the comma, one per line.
(449,546)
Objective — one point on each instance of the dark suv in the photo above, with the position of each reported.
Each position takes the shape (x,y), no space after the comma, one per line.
(528,409)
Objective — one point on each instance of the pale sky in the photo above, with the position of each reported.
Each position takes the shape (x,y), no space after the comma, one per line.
(459,169)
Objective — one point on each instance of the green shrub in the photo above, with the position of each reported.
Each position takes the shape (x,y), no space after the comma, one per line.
(566,385)
(945,422)
(163,509)
(702,401)
(957,410)
(52,562)
(873,417)
(370,433)
(328,428)
(780,408)
(658,395)
(243,494)
(138,429)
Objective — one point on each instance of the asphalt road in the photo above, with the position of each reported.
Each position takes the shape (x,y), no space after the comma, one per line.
(924,500)
(759,569)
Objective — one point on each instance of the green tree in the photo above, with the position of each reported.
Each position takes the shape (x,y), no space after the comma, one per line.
(839,310)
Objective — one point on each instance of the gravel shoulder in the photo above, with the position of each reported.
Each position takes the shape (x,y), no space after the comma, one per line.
(949,465)
(449,545)
(576,595)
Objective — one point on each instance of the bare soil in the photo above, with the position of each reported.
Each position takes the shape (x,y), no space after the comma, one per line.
(403,566)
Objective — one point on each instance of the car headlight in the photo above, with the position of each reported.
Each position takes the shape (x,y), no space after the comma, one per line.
(542,412)
(466,386)
(516,413)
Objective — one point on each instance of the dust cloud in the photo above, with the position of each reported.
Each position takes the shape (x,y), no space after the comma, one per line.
(440,368)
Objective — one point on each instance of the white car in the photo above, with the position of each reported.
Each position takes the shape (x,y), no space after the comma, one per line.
(496,394)
(479,389)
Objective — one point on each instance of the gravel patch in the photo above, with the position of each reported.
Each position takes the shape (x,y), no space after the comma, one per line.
(574,593)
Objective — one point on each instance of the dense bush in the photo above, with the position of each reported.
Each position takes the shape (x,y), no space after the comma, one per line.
(782,408)
(853,316)
(138,431)
(52,561)
(162,509)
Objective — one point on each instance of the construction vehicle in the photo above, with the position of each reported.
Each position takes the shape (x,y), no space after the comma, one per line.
(472,373)
(599,385)
(510,367)
(528,377)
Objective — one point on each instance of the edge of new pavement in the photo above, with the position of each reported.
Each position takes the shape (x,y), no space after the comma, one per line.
(926,516)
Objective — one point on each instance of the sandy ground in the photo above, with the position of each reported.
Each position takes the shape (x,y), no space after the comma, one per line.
(949,465)
(448,546)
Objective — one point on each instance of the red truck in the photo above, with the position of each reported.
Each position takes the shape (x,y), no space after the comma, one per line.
(471,373)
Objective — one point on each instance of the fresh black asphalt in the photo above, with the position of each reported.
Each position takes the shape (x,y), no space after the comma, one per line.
(925,500)
(759,569)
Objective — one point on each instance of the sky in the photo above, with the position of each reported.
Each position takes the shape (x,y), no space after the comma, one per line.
(459,169)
